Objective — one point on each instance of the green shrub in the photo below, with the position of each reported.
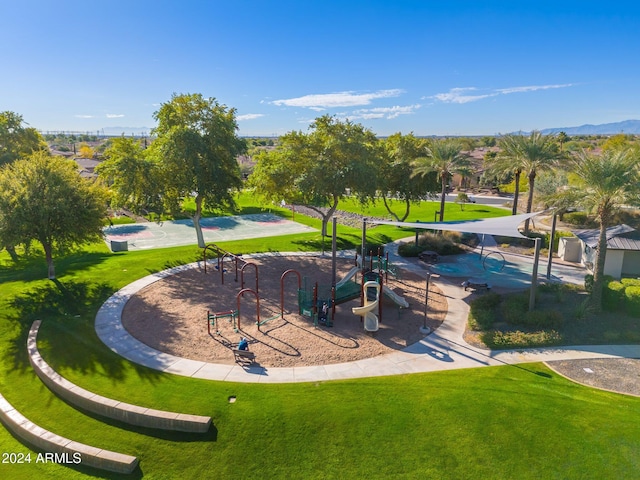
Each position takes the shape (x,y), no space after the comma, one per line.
(588,282)
(518,339)
(482,311)
(613,296)
(633,300)
(630,282)
(514,307)
(576,218)
(542,319)
(441,244)
(410,249)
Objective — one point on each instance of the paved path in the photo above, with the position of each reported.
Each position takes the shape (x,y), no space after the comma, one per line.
(444,349)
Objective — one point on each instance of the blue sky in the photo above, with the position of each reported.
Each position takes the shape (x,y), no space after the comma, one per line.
(428,67)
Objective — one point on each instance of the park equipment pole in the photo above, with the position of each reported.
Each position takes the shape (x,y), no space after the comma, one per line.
(534,276)
(551,242)
(424,328)
(334,244)
(364,241)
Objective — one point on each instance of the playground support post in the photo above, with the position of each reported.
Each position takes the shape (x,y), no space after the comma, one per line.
(551,243)
(424,328)
(534,275)
(287,272)
(241,294)
(242,274)
(334,243)
(364,240)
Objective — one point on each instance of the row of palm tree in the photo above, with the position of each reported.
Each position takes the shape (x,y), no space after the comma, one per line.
(600,182)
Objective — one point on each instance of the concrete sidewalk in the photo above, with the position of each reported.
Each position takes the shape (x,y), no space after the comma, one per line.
(445,349)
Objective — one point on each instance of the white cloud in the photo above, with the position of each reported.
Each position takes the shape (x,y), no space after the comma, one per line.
(385,112)
(249,116)
(83,116)
(323,101)
(114,115)
(531,88)
(460,95)
(465,95)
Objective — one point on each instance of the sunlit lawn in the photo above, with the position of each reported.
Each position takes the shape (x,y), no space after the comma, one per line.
(496,422)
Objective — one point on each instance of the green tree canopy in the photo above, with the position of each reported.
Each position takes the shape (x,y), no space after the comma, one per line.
(318,167)
(135,181)
(43,198)
(445,157)
(197,146)
(601,184)
(16,140)
(395,177)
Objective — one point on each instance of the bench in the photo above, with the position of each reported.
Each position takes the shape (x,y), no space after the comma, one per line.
(428,256)
(243,355)
(475,285)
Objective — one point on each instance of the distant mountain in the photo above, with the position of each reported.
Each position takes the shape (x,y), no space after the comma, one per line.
(626,126)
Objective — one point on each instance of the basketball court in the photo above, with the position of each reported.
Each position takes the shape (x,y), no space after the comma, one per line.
(142,236)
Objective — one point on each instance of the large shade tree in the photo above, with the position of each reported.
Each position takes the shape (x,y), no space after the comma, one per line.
(444,157)
(396,182)
(16,139)
(601,184)
(44,199)
(197,147)
(317,168)
(134,180)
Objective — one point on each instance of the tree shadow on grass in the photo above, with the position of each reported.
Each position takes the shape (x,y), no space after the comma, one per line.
(34,266)
(67,335)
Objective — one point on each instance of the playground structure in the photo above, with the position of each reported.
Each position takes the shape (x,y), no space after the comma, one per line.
(315,302)
(233,316)
(375,268)
(371,323)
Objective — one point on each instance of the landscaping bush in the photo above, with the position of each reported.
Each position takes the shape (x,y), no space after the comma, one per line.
(514,307)
(632,295)
(518,339)
(483,311)
(542,319)
(630,282)
(576,218)
(441,244)
(613,296)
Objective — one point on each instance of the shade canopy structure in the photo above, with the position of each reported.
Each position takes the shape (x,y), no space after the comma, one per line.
(502,226)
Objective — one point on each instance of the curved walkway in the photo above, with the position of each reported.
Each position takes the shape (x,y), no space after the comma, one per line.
(444,349)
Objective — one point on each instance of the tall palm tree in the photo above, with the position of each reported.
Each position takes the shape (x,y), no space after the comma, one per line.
(508,161)
(529,155)
(444,156)
(603,183)
(539,152)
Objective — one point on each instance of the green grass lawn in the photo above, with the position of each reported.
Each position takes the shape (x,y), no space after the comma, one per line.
(496,422)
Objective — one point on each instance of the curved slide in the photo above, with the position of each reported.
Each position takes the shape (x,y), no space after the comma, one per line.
(366,311)
(395,297)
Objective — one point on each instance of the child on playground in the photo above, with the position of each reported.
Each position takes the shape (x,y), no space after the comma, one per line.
(244,344)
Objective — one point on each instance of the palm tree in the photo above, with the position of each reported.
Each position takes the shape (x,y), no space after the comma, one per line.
(602,184)
(508,161)
(445,157)
(527,154)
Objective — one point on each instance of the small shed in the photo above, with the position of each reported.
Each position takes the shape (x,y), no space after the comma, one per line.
(623,250)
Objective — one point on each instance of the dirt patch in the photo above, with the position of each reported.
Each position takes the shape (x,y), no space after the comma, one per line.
(171,315)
